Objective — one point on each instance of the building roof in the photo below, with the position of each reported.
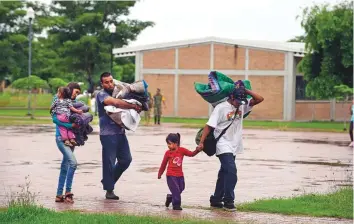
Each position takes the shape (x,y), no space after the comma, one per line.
(297,48)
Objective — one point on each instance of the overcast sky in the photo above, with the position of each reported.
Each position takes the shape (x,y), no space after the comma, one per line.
(272,20)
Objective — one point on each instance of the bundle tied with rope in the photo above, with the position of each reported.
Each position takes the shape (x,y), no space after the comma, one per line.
(218,90)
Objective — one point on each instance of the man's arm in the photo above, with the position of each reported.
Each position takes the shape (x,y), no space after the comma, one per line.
(256,98)
(121,104)
(106,99)
(189,153)
(207,129)
(213,121)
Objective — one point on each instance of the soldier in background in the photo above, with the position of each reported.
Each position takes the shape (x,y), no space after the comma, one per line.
(159,99)
(148,113)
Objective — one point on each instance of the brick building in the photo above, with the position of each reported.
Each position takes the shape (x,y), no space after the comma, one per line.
(270,66)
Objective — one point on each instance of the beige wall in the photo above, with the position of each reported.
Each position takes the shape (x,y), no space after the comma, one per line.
(342,111)
(194,57)
(159,59)
(166,84)
(266,60)
(271,88)
(321,110)
(226,57)
(190,103)
(229,57)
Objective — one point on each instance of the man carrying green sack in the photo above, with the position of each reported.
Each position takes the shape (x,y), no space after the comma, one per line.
(219,88)
(223,133)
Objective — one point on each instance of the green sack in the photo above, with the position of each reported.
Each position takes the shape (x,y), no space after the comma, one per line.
(226,89)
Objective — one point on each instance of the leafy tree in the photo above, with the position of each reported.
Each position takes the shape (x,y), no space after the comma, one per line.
(29,83)
(343,93)
(14,36)
(55,83)
(300,39)
(329,41)
(79,32)
(128,74)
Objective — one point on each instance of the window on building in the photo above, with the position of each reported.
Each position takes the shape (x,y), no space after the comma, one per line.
(300,88)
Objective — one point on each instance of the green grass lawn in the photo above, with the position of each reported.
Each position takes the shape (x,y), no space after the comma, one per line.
(20,100)
(23,121)
(37,215)
(23,112)
(337,204)
(192,122)
(280,125)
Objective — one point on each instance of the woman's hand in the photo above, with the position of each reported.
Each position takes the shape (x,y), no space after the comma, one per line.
(75,126)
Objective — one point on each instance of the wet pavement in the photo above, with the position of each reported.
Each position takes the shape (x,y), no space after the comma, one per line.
(274,164)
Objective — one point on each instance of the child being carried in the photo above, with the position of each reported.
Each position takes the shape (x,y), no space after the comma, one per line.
(62,107)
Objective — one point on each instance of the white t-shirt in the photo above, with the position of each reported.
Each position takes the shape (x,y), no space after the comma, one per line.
(220,118)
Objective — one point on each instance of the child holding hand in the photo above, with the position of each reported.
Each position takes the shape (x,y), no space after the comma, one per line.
(175,178)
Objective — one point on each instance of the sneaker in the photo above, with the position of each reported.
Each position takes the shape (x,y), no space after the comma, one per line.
(110,195)
(215,203)
(229,206)
(351,144)
(177,208)
(168,200)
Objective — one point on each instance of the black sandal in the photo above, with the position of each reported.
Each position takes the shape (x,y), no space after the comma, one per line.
(59,198)
(69,198)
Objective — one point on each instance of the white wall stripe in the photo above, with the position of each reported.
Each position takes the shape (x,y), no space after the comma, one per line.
(137,67)
(176,84)
(246,63)
(141,66)
(210,107)
(289,88)
(206,72)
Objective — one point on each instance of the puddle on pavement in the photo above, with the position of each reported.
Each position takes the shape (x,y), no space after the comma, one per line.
(313,141)
(149,170)
(322,163)
(31,130)
(337,164)
(276,168)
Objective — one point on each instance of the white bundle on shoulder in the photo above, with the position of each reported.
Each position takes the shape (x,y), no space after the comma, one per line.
(127,118)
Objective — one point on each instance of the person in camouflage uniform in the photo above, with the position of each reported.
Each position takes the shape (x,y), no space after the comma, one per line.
(158,100)
(147,113)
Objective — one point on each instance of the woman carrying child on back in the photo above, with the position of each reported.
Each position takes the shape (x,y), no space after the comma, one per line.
(175,178)
(62,106)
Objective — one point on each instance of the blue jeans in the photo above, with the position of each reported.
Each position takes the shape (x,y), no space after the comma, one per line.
(114,147)
(227,179)
(68,166)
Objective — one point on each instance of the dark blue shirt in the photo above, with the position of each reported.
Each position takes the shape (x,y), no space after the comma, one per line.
(107,125)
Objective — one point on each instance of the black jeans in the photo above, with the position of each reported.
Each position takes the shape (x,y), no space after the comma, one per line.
(115,148)
(227,179)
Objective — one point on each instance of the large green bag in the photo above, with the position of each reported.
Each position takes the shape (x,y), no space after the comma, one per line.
(226,85)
